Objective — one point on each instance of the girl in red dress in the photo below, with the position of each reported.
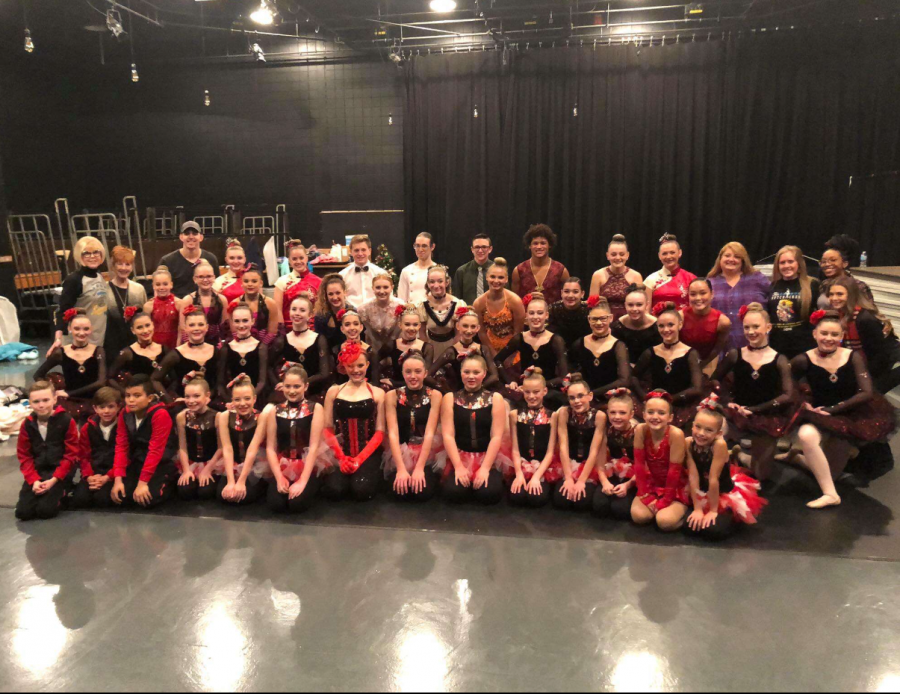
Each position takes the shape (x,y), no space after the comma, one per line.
(229,285)
(164,309)
(705,329)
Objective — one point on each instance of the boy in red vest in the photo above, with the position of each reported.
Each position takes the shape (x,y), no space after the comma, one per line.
(97,451)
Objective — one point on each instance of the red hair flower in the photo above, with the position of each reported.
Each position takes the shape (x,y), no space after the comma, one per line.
(593,301)
(188,310)
(658,395)
(816,316)
(743,311)
(286,367)
(130,312)
(350,352)
(70,314)
(399,310)
(233,304)
(527,299)
(658,308)
(463,310)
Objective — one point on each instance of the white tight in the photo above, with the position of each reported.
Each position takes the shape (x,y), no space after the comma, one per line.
(825,456)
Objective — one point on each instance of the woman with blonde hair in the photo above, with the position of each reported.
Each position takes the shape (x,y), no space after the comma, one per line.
(229,284)
(792,299)
(84,289)
(735,283)
(122,293)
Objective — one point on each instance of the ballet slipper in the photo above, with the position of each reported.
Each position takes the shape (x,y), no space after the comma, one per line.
(824,501)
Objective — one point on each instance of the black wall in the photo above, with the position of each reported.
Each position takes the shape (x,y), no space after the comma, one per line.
(313,137)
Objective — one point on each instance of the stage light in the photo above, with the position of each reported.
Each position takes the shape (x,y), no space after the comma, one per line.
(29,44)
(693,9)
(263,14)
(206,100)
(443,5)
(391,119)
(114,23)
(257,50)
(475,112)
(575,110)
(135,77)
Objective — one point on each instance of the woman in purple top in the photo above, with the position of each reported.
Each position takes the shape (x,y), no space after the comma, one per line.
(735,283)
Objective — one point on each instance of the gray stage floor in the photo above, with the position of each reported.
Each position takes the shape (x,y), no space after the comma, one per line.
(205,601)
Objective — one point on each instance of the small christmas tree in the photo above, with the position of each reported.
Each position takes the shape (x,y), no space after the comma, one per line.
(385,261)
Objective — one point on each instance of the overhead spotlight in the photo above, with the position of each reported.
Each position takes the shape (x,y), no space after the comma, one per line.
(114,23)
(693,9)
(263,14)
(29,44)
(206,100)
(257,50)
(442,5)
(135,77)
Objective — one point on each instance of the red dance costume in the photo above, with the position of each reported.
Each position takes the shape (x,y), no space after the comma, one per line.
(620,454)
(551,287)
(674,288)
(294,285)
(165,321)
(659,479)
(700,332)
(581,429)
(234,290)
(738,491)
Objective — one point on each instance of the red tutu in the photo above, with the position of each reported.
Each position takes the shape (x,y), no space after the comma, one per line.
(473,461)
(743,501)
(410,452)
(876,420)
(774,425)
(260,466)
(552,474)
(292,468)
(621,468)
(576,473)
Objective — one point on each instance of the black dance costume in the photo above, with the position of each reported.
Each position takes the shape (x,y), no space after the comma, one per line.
(241,431)
(450,365)
(43,457)
(739,501)
(232,364)
(315,360)
(181,366)
(293,427)
(581,430)
(608,371)
(201,444)
(618,470)
(550,358)
(213,314)
(145,452)
(681,378)
(355,425)
(569,324)
(395,355)
(80,381)
(637,341)
(97,453)
(129,363)
(533,429)
(473,419)
(413,412)
(766,392)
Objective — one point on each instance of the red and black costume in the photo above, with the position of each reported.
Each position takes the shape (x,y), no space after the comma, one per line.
(581,429)
(550,358)
(201,441)
(533,429)
(450,365)
(637,341)
(79,380)
(395,356)
(413,412)
(607,372)
(473,418)
(145,452)
(97,455)
(42,457)
(659,479)
(315,360)
(241,431)
(232,364)
(179,366)
(681,378)
(354,442)
(619,469)
(766,392)
(293,427)
(129,363)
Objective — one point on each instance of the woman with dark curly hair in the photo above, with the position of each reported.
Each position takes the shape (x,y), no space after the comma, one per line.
(540,273)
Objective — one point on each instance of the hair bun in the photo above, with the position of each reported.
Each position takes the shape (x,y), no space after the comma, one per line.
(618,238)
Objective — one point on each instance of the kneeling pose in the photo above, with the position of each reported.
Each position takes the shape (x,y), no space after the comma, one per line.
(616,492)
(198,443)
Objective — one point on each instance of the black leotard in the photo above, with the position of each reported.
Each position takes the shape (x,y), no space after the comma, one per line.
(201,437)
(473,418)
(533,432)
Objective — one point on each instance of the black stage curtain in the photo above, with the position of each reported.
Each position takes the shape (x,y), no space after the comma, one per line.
(751,139)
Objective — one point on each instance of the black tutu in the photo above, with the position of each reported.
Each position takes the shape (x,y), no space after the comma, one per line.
(874,421)
(774,425)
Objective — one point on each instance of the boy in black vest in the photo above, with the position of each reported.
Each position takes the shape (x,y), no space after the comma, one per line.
(97,451)
(144,471)
(47,452)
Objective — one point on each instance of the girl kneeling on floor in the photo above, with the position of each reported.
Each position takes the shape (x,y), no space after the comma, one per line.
(662,491)
(356,409)
(198,444)
(412,413)
(615,495)
(535,459)
(582,447)
(473,423)
(245,470)
(293,435)
(722,494)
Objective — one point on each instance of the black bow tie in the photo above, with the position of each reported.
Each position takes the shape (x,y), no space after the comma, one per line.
(364,268)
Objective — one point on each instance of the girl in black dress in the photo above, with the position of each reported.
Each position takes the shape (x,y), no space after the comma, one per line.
(245,471)
(266,314)
(536,467)
(83,366)
(581,428)
(671,366)
(536,347)
(355,410)
(142,356)
(446,369)
(243,353)
(616,489)
(391,375)
(637,328)
(352,328)
(600,358)
(721,493)
(758,393)
(568,316)
(294,446)
(412,412)
(473,423)
(196,358)
(198,444)
(301,347)
(842,409)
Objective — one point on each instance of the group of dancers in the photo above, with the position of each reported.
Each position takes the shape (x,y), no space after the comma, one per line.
(661,414)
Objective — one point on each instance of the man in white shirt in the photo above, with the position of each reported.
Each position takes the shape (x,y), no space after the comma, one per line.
(359,274)
(414,278)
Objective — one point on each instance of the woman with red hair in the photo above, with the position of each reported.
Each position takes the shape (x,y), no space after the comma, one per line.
(122,293)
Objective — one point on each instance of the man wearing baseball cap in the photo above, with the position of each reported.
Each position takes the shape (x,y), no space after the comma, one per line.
(181,263)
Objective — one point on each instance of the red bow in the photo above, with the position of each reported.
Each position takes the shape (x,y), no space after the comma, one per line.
(566,382)
(659,394)
(621,390)
(70,314)
(659,307)
(232,243)
(188,310)
(350,352)
(233,305)
(527,299)
(235,380)
(528,372)
(286,366)
(743,311)
(593,301)
(816,316)
(191,375)
(711,403)
(130,312)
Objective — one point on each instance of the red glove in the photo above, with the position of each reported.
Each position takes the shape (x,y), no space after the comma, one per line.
(351,465)
(335,447)
(673,481)
(642,477)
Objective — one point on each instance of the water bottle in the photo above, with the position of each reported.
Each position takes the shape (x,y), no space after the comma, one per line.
(864,259)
